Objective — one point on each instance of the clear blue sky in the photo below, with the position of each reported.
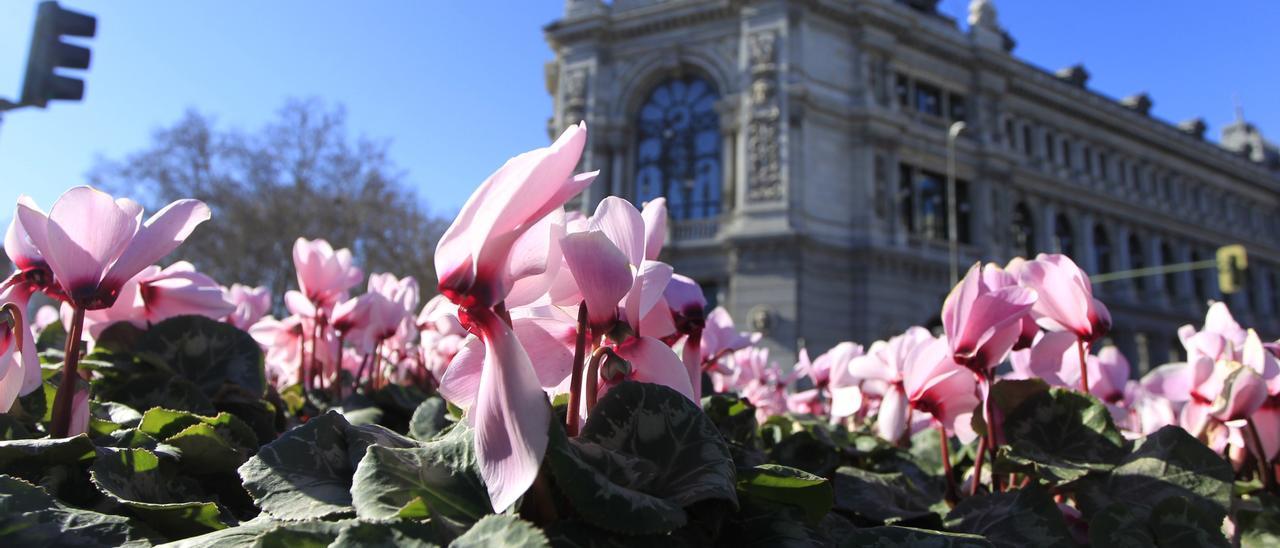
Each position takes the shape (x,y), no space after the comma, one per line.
(457,86)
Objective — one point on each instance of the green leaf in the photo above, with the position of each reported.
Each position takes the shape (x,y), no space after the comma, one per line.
(388,535)
(735,417)
(306,473)
(570,533)
(429,419)
(1118,527)
(1167,463)
(209,444)
(1259,527)
(610,489)
(777,483)
(1061,435)
(264,532)
(16,454)
(152,489)
(892,535)
(1026,517)
(809,451)
(442,475)
(767,525)
(155,389)
(52,337)
(208,352)
(1177,523)
(662,426)
(30,517)
(119,337)
(501,530)
(13,429)
(873,498)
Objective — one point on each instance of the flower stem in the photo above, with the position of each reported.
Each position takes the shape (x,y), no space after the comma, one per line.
(593,377)
(977,465)
(950,495)
(62,402)
(575,382)
(992,444)
(1265,470)
(1084,368)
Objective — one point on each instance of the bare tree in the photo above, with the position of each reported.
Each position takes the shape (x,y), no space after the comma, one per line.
(300,175)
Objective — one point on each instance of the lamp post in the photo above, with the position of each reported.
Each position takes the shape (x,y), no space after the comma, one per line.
(952,234)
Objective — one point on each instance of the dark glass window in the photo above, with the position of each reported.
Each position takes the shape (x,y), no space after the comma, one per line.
(1050,152)
(1087,153)
(1063,239)
(1008,132)
(1028,147)
(1170,278)
(922,202)
(906,197)
(678,148)
(959,110)
(1101,249)
(932,205)
(928,99)
(902,88)
(1198,288)
(1065,159)
(1137,260)
(711,292)
(1023,232)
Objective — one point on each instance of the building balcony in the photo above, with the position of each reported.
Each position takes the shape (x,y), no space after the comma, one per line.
(694,230)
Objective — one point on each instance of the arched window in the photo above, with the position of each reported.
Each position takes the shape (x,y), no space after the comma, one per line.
(1023,232)
(1137,260)
(1063,240)
(1102,250)
(678,148)
(1170,278)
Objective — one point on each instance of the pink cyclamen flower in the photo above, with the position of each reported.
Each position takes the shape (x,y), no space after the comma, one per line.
(94,243)
(1065,296)
(324,275)
(983,316)
(155,295)
(251,304)
(474,255)
(19,363)
(478,266)
(32,268)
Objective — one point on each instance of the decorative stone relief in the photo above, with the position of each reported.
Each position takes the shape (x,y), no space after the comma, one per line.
(575,96)
(764,132)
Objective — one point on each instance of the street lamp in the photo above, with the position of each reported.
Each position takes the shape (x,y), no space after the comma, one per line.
(952,234)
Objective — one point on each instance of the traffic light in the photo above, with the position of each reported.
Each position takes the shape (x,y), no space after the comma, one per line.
(1232,262)
(48,53)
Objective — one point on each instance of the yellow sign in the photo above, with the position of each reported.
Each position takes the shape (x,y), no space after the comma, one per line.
(1232,261)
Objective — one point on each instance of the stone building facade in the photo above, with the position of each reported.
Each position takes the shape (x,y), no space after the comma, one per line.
(802,148)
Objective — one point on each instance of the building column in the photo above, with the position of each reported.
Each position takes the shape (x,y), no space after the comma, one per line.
(1045,228)
(1087,258)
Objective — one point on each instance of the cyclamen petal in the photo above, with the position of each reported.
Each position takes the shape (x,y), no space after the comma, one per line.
(655,227)
(471,257)
(86,232)
(601,271)
(159,236)
(510,415)
(652,361)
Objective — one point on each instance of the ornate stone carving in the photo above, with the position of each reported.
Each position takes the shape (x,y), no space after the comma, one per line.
(575,96)
(764,132)
(982,13)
